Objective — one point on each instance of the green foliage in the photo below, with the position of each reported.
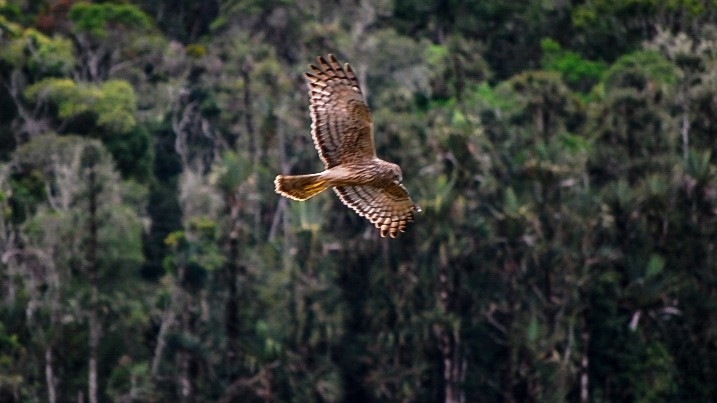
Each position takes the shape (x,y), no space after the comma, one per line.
(95,18)
(436,54)
(611,28)
(39,54)
(641,70)
(10,354)
(132,152)
(232,172)
(130,380)
(194,251)
(575,70)
(115,105)
(698,166)
(65,93)
(112,102)
(27,191)
(59,161)
(196,50)
(655,265)
(8,27)
(592,11)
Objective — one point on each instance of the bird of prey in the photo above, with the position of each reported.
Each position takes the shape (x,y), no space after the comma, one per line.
(342,130)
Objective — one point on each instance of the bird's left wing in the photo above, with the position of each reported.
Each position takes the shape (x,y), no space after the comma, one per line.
(390,208)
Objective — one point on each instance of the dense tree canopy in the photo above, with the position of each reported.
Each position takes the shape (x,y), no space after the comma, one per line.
(564,154)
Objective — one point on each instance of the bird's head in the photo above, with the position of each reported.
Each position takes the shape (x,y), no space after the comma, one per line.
(396,173)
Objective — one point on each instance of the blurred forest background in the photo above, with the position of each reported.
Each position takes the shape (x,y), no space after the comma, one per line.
(563,152)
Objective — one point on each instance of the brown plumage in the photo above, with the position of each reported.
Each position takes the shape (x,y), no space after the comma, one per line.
(342,131)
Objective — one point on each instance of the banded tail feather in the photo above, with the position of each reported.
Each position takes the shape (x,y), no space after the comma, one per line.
(300,187)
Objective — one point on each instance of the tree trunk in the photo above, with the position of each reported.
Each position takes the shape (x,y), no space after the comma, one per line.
(184,358)
(94,342)
(510,338)
(448,340)
(90,158)
(585,338)
(254,137)
(685,134)
(50,376)
(167,322)
(232,270)
(453,366)
(185,384)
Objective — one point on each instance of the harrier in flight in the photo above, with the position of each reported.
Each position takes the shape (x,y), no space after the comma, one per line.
(342,131)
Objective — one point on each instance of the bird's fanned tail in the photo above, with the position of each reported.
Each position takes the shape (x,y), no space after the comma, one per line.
(300,187)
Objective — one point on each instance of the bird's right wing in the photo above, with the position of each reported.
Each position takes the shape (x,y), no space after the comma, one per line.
(340,119)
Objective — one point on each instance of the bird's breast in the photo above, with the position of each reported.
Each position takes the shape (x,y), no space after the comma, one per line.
(361,173)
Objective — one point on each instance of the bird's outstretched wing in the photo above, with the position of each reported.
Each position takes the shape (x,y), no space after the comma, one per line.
(340,119)
(388,208)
